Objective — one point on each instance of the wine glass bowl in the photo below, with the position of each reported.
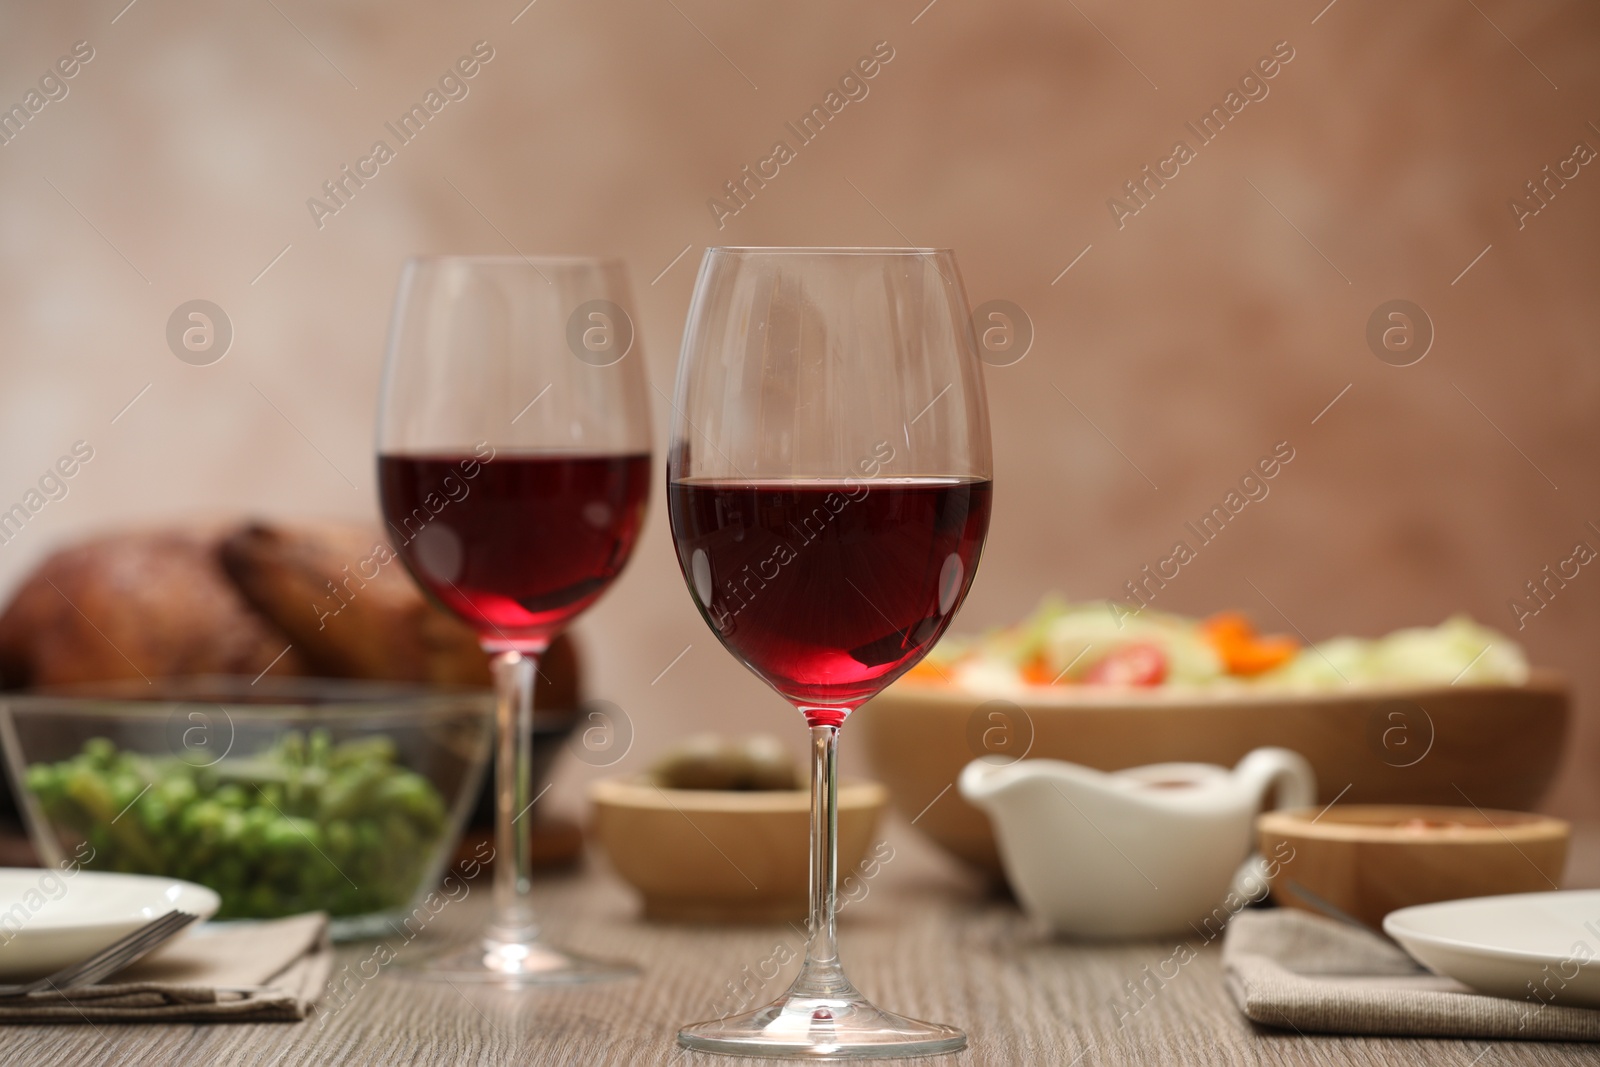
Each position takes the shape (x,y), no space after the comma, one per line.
(509,556)
(829,490)
(829,591)
(513,473)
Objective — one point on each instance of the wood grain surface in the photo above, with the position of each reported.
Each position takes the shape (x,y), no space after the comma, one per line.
(923,940)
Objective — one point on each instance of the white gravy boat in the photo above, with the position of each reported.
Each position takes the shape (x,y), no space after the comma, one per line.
(1137,853)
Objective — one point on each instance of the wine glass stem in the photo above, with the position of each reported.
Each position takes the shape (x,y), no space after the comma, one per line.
(822,974)
(513,869)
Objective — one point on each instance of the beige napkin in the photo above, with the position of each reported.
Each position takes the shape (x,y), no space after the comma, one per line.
(251,972)
(1296,971)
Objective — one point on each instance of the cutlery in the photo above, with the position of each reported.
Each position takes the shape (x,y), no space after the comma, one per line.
(1333,911)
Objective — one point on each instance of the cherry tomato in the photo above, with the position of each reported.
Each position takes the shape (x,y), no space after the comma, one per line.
(1138,664)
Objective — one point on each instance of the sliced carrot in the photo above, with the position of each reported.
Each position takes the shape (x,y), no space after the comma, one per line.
(1261,655)
(927,672)
(1242,651)
(1037,672)
(1228,627)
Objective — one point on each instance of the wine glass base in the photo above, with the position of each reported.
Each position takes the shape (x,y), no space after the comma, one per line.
(811,1027)
(515,965)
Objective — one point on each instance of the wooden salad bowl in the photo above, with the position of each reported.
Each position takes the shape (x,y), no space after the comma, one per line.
(1494,746)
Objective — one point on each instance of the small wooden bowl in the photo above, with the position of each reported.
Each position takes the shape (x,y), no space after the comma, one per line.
(724,856)
(1370,859)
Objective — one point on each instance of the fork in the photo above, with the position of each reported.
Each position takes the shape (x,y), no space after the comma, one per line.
(1336,913)
(108,960)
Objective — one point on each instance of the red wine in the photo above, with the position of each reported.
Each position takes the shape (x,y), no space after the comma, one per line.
(514,544)
(829,590)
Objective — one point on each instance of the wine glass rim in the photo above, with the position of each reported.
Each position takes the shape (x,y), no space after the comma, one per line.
(552,260)
(826,250)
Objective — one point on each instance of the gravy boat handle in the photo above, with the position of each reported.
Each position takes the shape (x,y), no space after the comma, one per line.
(1296,783)
(1289,771)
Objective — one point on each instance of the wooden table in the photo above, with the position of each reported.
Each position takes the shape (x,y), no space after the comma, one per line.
(924,941)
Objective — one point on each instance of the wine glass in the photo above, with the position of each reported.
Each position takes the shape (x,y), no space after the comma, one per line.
(828,487)
(513,470)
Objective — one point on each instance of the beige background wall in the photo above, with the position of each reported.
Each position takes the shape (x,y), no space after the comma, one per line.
(1219,320)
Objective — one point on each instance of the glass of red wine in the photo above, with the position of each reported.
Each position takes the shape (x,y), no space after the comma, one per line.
(513,470)
(828,488)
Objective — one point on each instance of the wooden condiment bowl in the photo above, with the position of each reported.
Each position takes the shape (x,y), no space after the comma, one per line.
(1370,859)
(701,855)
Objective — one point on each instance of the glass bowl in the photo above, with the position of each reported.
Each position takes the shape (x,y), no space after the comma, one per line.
(283,795)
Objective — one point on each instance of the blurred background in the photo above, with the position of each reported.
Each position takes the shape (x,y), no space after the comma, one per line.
(1176,339)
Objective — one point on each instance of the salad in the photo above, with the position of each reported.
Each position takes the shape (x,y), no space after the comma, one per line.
(1097,643)
(306,825)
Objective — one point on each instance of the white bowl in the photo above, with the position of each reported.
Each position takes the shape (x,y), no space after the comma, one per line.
(1538,946)
(50,918)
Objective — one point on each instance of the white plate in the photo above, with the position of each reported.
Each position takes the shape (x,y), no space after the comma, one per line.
(49,918)
(1541,946)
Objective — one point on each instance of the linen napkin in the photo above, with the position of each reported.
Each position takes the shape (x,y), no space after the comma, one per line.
(250,972)
(1296,971)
